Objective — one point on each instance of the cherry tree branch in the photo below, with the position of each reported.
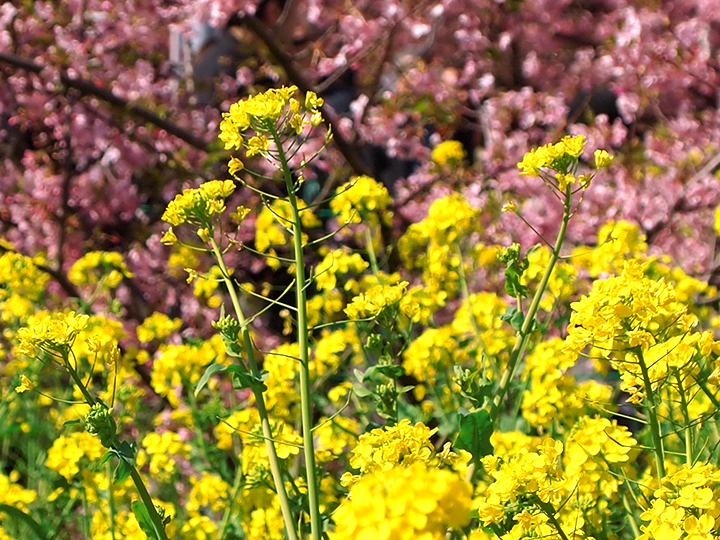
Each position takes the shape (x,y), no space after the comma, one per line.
(88,88)
(283,59)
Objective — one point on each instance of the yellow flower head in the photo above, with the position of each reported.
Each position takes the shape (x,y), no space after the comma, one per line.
(413,502)
(359,197)
(25,385)
(199,205)
(448,153)
(55,332)
(99,267)
(267,114)
(558,156)
(602,159)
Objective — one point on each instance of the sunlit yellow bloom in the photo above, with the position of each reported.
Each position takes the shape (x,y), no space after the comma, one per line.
(99,267)
(55,332)
(558,156)
(404,504)
(199,205)
(257,145)
(235,165)
(25,384)
(359,197)
(448,153)
(602,159)
(169,237)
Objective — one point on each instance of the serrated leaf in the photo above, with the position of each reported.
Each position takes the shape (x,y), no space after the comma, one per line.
(513,316)
(143,519)
(475,430)
(209,372)
(126,450)
(243,379)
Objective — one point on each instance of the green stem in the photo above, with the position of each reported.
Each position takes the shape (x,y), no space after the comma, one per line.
(111,502)
(550,512)
(139,485)
(303,343)
(199,435)
(259,398)
(652,417)
(149,505)
(487,361)
(86,512)
(371,251)
(77,380)
(689,443)
(228,508)
(630,515)
(523,336)
(710,395)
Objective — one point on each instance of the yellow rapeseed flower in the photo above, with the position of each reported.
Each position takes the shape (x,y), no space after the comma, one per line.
(199,205)
(359,197)
(448,153)
(268,113)
(55,332)
(404,503)
(25,385)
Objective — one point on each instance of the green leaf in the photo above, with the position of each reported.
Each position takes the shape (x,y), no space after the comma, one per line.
(475,430)
(75,422)
(107,456)
(390,370)
(126,451)
(513,316)
(243,379)
(143,518)
(122,471)
(18,515)
(361,391)
(209,372)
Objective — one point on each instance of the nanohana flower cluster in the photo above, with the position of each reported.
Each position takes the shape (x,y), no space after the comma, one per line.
(562,158)
(270,113)
(239,406)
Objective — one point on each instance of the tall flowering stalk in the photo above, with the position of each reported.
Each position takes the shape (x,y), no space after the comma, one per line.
(556,165)
(52,340)
(273,125)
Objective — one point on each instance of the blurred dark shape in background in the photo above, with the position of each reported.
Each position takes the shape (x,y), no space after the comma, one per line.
(588,104)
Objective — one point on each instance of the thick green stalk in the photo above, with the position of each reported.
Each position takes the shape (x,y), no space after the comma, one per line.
(303,343)
(689,443)
(111,502)
(523,335)
(259,398)
(371,251)
(77,380)
(148,502)
(652,417)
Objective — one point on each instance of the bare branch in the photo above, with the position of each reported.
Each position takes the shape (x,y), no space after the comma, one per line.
(88,88)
